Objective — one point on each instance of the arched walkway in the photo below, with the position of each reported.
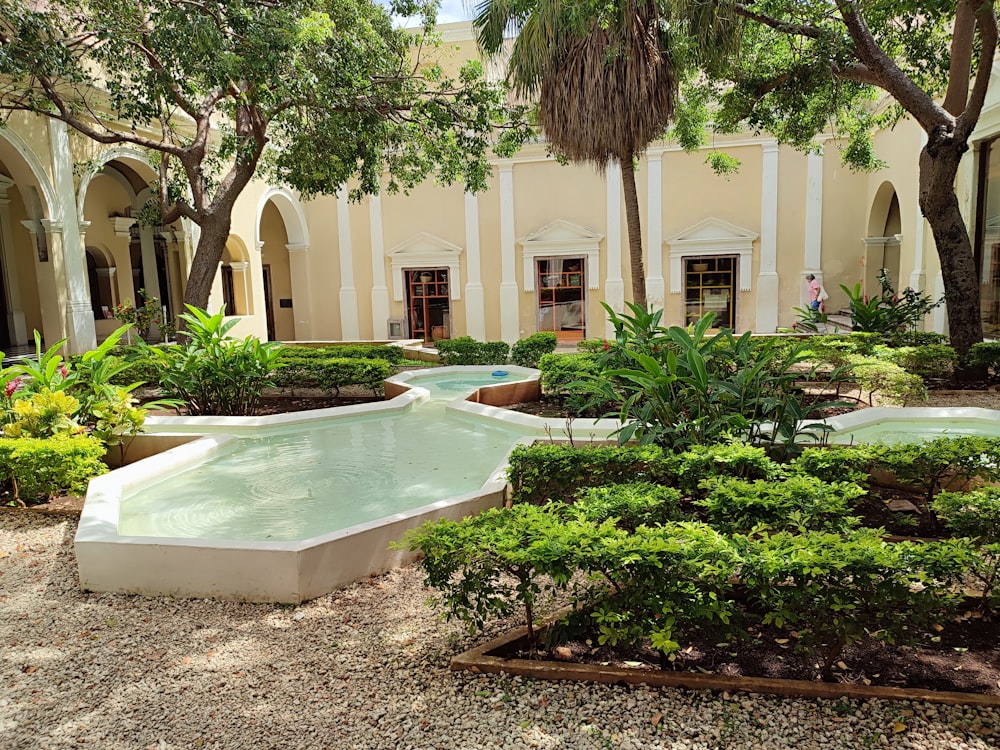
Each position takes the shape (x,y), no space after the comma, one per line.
(283,242)
(882,244)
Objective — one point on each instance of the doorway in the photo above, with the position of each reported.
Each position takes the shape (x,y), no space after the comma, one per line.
(428,303)
(562,284)
(710,286)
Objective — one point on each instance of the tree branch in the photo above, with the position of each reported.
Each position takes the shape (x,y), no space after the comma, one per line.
(785,27)
(961,58)
(987,22)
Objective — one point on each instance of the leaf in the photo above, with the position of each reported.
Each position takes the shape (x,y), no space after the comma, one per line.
(898,727)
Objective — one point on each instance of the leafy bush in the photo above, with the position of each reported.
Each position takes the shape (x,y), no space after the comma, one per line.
(592,346)
(735,459)
(888,312)
(892,383)
(833,590)
(932,464)
(393,354)
(212,372)
(527,352)
(44,414)
(838,463)
(546,471)
(332,374)
(976,515)
(796,503)
(138,367)
(986,354)
(41,468)
(629,505)
(915,338)
(928,361)
(465,350)
(559,372)
(683,387)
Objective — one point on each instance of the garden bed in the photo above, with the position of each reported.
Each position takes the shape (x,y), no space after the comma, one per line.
(963,667)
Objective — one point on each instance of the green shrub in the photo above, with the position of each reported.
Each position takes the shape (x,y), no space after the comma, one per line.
(560,371)
(592,346)
(892,383)
(986,354)
(548,471)
(735,459)
(833,590)
(928,361)
(212,372)
(630,505)
(138,368)
(838,463)
(972,514)
(393,354)
(527,352)
(915,338)
(465,350)
(930,465)
(331,374)
(42,468)
(796,503)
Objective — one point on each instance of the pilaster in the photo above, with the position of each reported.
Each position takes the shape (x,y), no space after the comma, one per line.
(349,329)
(614,284)
(767,276)
(380,290)
(298,268)
(510,313)
(475,306)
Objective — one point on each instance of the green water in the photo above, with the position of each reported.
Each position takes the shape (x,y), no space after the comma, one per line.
(295,484)
(916,430)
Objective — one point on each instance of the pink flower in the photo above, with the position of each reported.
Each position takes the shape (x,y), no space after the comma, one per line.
(606,347)
(12,385)
(63,371)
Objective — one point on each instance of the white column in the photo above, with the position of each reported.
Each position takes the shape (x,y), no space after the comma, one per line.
(614,284)
(918,276)
(79,313)
(380,291)
(767,276)
(298,269)
(240,267)
(510,314)
(475,305)
(939,318)
(655,285)
(349,329)
(17,328)
(812,261)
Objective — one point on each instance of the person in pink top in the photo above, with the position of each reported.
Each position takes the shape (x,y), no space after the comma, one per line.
(814,292)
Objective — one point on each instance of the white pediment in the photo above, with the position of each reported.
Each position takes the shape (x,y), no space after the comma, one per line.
(712,230)
(566,239)
(424,243)
(711,236)
(562,232)
(425,250)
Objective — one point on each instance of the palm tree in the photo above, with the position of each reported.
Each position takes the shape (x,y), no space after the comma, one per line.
(607,85)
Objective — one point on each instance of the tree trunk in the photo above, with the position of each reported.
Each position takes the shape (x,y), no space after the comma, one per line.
(634,233)
(939,161)
(205,264)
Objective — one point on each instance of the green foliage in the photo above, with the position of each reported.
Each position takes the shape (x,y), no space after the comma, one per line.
(986,354)
(564,374)
(935,361)
(932,464)
(527,352)
(888,312)
(41,468)
(331,373)
(629,505)
(972,514)
(141,317)
(833,590)
(892,383)
(678,387)
(212,372)
(915,338)
(297,354)
(798,503)
(465,350)
(736,459)
(836,347)
(44,414)
(546,471)
(838,463)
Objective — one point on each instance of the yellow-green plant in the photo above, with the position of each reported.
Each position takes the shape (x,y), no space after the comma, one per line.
(47,413)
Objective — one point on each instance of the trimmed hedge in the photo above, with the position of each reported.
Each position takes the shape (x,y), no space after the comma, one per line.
(561,370)
(41,468)
(333,373)
(393,354)
(528,351)
(465,350)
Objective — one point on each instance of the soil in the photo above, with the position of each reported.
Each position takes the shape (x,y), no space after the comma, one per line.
(287,403)
(962,657)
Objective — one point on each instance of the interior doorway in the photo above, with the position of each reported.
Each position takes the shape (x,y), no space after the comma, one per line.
(268,302)
(710,286)
(428,303)
(562,308)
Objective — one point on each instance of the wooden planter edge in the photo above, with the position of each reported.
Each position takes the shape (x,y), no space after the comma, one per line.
(482,659)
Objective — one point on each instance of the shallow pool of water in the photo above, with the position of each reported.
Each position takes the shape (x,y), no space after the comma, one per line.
(915,430)
(297,482)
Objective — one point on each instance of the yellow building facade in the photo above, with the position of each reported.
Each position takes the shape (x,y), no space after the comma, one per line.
(540,250)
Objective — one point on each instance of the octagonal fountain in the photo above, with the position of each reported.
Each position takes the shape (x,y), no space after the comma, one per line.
(291,506)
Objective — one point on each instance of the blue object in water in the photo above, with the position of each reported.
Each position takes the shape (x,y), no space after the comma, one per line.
(500,373)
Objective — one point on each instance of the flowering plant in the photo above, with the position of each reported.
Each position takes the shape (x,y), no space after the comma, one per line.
(142,316)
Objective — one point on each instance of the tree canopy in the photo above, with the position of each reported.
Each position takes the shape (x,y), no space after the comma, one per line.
(309,93)
(821,66)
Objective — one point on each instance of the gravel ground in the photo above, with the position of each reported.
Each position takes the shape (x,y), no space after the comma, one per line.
(365,667)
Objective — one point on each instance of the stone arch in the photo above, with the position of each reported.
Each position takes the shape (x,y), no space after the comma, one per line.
(883,217)
(882,243)
(27,170)
(102,282)
(290,208)
(285,270)
(125,154)
(234,277)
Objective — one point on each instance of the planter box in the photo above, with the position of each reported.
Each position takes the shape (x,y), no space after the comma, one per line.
(492,658)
